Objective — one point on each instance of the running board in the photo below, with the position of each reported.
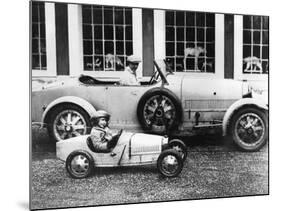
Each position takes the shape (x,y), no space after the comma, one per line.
(207,126)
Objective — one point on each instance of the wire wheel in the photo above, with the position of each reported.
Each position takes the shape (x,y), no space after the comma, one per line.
(67,121)
(250,129)
(68,124)
(159,113)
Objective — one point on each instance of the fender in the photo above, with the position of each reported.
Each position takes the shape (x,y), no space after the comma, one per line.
(238,104)
(69,99)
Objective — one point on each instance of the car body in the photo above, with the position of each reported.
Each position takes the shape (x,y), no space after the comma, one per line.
(170,103)
(132,149)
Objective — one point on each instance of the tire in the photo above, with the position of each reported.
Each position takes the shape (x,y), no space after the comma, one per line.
(67,121)
(79,164)
(159,111)
(170,163)
(180,147)
(249,129)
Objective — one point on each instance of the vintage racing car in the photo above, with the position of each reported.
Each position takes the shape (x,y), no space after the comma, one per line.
(169,103)
(132,149)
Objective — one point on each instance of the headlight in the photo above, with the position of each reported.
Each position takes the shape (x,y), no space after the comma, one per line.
(246,88)
(165,140)
(260,94)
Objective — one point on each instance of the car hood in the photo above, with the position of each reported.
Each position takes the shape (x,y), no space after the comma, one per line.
(145,143)
(207,87)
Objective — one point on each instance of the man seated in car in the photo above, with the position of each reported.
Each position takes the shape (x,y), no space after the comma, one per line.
(101,136)
(130,78)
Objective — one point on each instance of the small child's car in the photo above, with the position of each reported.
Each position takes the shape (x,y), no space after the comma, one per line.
(132,149)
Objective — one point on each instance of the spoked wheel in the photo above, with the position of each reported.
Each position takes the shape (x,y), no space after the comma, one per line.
(250,129)
(170,163)
(67,122)
(79,164)
(159,111)
(180,147)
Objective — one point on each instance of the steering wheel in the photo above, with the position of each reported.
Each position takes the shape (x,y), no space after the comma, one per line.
(169,69)
(120,133)
(154,77)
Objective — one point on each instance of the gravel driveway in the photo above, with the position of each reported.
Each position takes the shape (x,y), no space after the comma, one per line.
(211,170)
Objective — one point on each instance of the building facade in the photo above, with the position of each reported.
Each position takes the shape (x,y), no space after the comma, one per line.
(73,39)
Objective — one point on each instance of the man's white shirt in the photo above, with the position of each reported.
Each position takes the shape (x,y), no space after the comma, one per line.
(129,77)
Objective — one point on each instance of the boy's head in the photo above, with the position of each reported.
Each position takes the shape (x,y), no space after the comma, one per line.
(102,122)
(100,119)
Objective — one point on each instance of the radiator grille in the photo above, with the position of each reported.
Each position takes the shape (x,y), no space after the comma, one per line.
(145,149)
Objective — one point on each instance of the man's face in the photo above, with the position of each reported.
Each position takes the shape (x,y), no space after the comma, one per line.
(134,66)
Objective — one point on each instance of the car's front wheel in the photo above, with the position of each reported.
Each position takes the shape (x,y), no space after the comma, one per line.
(249,129)
(79,164)
(170,163)
(67,121)
(180,147)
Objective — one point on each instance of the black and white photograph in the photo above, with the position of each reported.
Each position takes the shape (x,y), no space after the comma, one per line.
(137,104)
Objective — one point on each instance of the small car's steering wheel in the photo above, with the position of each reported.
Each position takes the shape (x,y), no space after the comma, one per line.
(119,133)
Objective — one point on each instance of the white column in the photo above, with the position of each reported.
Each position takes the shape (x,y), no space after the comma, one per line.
(75,39)
(159,34)
(238,47)
(219,45)
(137,37)
(50,28)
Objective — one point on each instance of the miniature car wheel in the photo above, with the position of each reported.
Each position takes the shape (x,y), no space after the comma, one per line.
(170,163)
(68,121)
(180,147)
(159,111)
(79,164)
(249,129)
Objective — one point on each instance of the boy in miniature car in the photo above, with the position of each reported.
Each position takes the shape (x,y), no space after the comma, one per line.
(101,136)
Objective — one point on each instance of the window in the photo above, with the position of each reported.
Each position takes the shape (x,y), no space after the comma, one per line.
(107,37)
(255,44)
(190,41)
(38,36)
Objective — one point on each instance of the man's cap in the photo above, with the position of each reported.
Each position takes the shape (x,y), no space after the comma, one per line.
(133,59)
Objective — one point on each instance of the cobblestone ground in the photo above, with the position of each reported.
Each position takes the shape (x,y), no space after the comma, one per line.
(212,169)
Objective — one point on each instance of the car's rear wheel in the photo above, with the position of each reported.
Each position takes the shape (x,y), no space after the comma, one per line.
(67,121)
(249,129)
(159,111)
(79,164)
(170,163)
(180,147)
